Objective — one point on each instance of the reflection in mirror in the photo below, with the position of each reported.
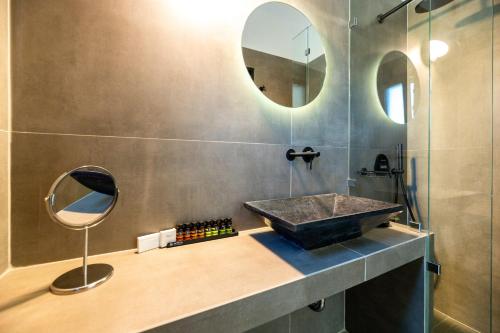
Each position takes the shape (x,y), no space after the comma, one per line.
(78,200)
(83,197)
(283,54)
(397,86)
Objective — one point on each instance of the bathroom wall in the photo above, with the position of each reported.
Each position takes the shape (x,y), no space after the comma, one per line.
(496,173)
(4,136)
(461,159)
(158,93)
(276,74)
(372,132)
(330,320)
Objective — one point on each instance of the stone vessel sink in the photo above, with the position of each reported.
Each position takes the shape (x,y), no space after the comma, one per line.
(320,220)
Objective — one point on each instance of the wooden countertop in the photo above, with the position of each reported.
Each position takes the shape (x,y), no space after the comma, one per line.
(191,286)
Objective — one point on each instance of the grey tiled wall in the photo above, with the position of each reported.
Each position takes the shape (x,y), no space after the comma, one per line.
(390,303)
(496,175)
(330,320)
(4,138)
(372,132)
(159,94)
(461,141)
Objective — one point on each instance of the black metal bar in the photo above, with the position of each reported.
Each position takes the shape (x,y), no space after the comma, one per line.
(372,173)
(382,17)
(309,153)
(204,239)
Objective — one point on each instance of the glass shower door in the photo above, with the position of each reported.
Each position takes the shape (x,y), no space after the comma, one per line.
(428,78)
(462,152)
(389,112)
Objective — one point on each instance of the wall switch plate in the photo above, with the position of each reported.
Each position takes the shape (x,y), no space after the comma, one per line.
(167,236)
(148,242)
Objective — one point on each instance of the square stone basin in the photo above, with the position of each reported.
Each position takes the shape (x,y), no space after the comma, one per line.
(320,220)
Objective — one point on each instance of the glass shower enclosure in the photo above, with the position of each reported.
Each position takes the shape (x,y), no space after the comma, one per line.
(426,79)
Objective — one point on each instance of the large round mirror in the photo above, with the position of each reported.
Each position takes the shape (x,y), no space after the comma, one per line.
(397,86)
(283,54)
(78,200)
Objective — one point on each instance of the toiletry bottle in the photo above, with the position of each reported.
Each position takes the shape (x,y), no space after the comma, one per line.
(187,232)
(214,228)
(229,226)
(200,230)
(222,226)
(194,232)
(208,230)
(179,233)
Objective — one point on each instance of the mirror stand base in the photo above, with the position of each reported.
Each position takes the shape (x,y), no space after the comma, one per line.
(73,281)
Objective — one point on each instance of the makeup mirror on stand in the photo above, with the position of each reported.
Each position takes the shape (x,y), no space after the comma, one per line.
(79,200)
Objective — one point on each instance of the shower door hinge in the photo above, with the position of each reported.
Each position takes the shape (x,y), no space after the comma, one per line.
(307,52)
(353,22)
(434,267)
(416,225)
(351,182)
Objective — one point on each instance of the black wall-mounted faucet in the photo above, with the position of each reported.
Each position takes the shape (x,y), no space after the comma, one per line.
(308,155)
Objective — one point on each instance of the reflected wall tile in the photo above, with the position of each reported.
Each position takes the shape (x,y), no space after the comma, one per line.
(462,230)
(4,71)
(496,176)
(461,113)
(4,144)
(4,207)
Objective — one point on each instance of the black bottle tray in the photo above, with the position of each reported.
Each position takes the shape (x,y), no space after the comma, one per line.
(200,240)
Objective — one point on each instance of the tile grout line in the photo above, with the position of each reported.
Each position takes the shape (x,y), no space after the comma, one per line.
(9,138)
(365,269)
(453,319)
(169,139)
(345,247)
(344,308)
(363,256)
(387,248)
(442,321)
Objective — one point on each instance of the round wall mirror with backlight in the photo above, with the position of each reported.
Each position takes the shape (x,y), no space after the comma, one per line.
(397,87)
(283,54)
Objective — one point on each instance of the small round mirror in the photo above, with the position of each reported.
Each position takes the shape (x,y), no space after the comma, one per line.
(82,198)
(283,54)
(78,200)
(397,86)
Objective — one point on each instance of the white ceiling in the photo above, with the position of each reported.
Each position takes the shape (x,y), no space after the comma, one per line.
(277,28)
